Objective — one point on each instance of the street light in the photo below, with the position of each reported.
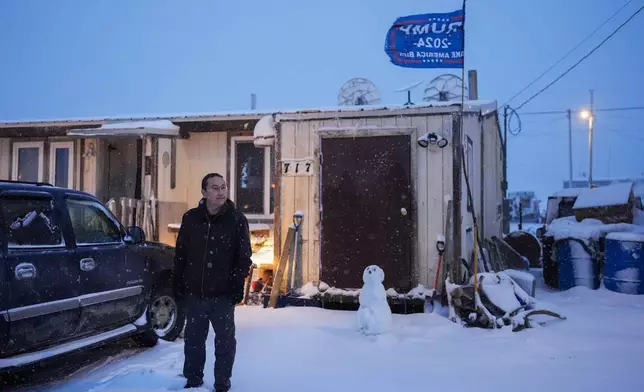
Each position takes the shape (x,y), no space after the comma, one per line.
(590,116)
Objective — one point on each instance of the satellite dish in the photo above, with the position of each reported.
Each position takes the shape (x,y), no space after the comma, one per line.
(443,88)
(408,90)
(358,92)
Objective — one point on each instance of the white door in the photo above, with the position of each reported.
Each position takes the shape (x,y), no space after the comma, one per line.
(27,162)
(61,164)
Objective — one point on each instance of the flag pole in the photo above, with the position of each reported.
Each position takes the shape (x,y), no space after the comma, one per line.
(475,256)
(463,67)
(457,175)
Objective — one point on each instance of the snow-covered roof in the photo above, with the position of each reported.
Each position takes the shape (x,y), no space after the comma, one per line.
(603,196)
(435,107)
(157,127)
(568,192)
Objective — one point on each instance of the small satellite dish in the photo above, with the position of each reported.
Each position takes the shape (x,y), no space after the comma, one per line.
(443,88)
(358,92)
(408,90)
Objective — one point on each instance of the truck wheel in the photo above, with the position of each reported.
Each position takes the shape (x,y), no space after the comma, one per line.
(165,315)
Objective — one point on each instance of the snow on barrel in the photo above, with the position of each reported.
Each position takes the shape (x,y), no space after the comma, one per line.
(624,263)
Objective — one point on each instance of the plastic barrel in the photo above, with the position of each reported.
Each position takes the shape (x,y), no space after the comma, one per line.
(624,263)
(576,265)
(550,276)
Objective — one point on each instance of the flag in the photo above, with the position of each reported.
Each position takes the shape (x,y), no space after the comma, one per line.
(427,40)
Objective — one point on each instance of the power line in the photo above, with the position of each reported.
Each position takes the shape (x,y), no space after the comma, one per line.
(595,110)
(583,58)
(568,54)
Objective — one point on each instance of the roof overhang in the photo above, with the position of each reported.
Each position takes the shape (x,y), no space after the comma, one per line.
(159,128)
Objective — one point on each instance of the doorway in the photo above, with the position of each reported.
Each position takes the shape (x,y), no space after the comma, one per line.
(124,163)
(367,212)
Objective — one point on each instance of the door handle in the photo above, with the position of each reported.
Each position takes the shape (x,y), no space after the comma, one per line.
(87,264)
(25,271)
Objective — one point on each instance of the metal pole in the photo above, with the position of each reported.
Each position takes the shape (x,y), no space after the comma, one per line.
(591,123)
(504,185)
(569,148)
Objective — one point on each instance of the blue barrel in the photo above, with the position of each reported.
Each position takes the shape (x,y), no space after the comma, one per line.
(577,264)
(624,265)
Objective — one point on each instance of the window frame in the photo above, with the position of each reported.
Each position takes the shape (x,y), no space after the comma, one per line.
(41,158)
(267,176)
(102,208)
(52,162)
(18,195)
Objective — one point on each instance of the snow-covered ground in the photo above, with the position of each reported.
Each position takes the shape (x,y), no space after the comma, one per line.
(599,348)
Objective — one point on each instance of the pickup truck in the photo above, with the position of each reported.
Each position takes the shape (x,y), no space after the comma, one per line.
(73,277)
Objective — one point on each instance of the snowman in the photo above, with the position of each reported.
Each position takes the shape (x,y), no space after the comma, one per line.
(374,314)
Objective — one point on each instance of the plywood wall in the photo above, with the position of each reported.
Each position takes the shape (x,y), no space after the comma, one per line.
(201,154)
(89,173)
(4,159)
(431,181)
(493,197)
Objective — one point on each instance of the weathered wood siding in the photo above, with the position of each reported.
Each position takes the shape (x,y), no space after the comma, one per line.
(201,154)
(431,182)
(5,159)
(493,166)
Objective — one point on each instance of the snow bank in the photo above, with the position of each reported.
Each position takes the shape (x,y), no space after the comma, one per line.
(609,195)
(311,290)
(525,280)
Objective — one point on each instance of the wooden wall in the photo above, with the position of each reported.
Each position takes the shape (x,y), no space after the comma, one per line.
(432,182)
(493,196)
(5,155)
(197,156)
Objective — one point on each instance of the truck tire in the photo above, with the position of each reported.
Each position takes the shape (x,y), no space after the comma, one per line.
(165,314)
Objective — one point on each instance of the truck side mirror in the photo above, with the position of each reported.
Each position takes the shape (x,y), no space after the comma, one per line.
(135,235)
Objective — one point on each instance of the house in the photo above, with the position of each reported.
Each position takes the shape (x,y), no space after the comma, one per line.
(370,193)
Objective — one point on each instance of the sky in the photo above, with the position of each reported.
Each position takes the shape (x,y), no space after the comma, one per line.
(73,58)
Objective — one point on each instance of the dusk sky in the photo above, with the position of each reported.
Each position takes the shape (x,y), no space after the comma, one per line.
(72,58)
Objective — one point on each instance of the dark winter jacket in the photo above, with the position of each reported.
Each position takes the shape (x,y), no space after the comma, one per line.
(212,254)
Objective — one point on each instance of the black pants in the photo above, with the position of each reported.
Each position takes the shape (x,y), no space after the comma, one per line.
(220,312)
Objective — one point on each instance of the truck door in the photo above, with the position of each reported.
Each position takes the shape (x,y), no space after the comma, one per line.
(41,285)
(111,278)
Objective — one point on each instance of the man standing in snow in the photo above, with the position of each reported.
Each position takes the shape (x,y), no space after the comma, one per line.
(212,260)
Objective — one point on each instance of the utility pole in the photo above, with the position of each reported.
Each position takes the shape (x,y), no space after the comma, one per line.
(569,148)
(591,124)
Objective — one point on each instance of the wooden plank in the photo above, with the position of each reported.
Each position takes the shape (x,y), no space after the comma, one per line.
(423,173)
(282,267)
(312,220)
(287,184)
(302,198)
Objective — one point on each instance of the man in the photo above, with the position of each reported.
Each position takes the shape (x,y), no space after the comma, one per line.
(212,260)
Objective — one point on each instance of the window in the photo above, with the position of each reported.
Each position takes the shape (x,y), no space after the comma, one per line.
(92,224)
(31,223)
(61,164)
(469,166)
(252,177)
(28,162)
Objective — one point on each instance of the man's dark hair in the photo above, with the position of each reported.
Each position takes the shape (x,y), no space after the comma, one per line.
(204,182)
